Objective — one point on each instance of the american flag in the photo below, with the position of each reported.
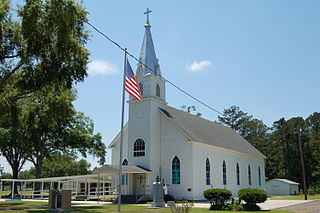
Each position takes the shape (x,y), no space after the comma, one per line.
(131,85)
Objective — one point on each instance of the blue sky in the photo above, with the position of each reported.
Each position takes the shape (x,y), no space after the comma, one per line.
(263,56)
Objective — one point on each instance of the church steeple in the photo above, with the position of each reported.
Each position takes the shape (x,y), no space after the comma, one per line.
(148,54)
(151,84)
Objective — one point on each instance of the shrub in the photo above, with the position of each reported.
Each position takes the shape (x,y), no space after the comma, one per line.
(218,198)
(252,197)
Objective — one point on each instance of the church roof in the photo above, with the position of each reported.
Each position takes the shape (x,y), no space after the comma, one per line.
(207,132)
(284,181)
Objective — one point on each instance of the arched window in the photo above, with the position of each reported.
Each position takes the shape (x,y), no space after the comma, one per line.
(125,162)
(158,90)
(224,173)
(175,170)
(139,148)
(208,172)
(259,174)
(238,174)
(141,88)
(249,175)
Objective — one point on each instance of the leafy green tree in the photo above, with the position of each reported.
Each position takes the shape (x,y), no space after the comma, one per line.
(252,129)
(59,165)
(14,146)
(44,45)
(287,134)
(53,125)
(42,55)
(234,118)
(313,157)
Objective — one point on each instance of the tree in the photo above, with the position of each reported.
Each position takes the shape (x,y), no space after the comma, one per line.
(252,129)
(44,46)
(53,125)
(14,146)
(313,157)
(287,133)
(190,109)
(59,165)
(42,54)
(234,118)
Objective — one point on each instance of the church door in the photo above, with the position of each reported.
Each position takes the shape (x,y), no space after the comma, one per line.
(139,186)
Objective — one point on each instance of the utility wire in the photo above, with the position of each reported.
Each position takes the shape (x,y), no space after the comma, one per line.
(140,62)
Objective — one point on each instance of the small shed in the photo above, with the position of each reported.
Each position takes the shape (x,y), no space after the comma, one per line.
(279,186)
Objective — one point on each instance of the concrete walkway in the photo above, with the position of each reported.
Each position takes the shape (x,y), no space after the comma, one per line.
(274,204)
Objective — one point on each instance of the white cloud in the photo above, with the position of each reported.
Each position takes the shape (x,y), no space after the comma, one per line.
(101,67)
(198,65)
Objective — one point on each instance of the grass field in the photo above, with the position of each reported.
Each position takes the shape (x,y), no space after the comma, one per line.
(295,197)
(109,208)
(21,204)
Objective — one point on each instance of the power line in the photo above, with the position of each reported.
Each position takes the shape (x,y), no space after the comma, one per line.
(135,58)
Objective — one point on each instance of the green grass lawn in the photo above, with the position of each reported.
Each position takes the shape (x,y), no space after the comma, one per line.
(5,193)
(109,208)
(6,204)
(294,197)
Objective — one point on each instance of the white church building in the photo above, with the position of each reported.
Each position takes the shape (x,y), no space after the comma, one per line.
(188,153)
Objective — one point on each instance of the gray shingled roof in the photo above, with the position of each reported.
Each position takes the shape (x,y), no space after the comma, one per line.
(208,132)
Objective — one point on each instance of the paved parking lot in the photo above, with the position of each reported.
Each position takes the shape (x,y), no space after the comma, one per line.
(311,207)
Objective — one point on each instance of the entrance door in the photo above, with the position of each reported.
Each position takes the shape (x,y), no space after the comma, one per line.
(139,187)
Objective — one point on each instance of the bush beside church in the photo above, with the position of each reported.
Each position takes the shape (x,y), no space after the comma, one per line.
(220,199)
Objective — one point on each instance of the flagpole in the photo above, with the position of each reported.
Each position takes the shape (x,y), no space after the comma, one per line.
(121,133)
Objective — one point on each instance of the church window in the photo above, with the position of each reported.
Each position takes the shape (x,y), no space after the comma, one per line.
(125,162)
(141,88)
(208,172)
(259,173)
(249,175)
(175,170)
(125,177)
(238,174)
(158,90)
(224,173)
(139,148)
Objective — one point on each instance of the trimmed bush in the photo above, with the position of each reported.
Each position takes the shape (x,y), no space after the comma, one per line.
(218,198)
(252,197)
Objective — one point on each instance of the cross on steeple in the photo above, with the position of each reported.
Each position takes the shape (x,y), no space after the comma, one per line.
(147,13)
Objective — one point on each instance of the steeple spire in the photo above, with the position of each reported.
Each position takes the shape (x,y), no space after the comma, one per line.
(148,54)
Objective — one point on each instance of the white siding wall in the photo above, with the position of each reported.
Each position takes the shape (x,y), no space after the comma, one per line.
(216,156)
(174,143)
(116,149)
(276,187)
(144,123)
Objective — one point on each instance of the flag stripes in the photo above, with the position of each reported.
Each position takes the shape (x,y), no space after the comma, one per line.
(131,85)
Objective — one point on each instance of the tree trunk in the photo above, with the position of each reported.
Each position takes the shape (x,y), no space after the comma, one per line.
(15,174)
(38,167)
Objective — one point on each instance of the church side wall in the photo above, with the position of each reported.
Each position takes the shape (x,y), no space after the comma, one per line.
(216,158)
(116,150)
(174,143)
